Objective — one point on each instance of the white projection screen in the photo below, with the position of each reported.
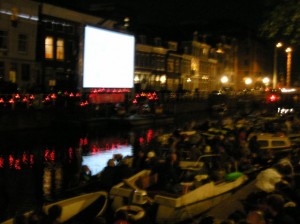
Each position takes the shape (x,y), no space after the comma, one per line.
(108,60)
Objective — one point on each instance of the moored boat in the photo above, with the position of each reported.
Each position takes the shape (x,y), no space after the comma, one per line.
(75,208)
(196,197)
(196,201)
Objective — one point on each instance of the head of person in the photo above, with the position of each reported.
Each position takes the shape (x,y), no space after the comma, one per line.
(111,163)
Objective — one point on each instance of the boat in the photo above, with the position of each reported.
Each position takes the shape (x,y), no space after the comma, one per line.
(196,201)
(197,196)
(76,208)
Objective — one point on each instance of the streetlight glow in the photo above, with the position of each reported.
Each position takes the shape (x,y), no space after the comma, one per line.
(224,79)
(288,66)
(278,45)
(289,49)
(248,81)
(266,80)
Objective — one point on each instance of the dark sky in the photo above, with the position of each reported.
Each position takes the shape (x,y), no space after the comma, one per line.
(227,17)
(179,17)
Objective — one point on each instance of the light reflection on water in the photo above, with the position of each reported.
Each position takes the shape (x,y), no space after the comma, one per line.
(97,161)
(38,165)
(55,159)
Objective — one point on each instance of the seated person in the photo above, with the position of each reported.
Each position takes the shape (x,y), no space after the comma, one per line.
(170,174)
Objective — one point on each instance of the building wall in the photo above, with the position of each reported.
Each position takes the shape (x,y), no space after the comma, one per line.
(18,27)
(254,61)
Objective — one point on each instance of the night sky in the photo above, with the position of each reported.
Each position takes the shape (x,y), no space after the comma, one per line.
(177,19)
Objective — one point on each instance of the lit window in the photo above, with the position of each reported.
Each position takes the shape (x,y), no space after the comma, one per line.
(60,49)
(49,48)
(22,43)
(3,39)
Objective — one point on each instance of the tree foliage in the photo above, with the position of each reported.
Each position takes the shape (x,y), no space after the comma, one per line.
(283,21)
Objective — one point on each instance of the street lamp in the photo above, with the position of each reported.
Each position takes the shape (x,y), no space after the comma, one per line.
(266,81)
(288,66)
(248,81)
(278,45)
(224,79)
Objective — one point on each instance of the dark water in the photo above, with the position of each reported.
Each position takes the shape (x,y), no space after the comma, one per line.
(37,165)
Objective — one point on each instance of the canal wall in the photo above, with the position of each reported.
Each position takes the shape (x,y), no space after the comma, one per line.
(25,119)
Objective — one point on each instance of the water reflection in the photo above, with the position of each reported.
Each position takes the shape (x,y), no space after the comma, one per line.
(97,160)
(39,165)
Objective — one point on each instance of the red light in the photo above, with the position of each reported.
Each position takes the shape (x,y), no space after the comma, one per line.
(94,149)
(149,135)
(85,141)
(141,140)
(273,98)
(1,162)
(17,164)
(70,153)
(52,155)
(31,159)
(83,104)
(11,160)
(24,158)
(49,155)
(1,100)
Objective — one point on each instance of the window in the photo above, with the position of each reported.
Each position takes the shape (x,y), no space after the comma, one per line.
(22,43)
(278,143)
(171,65)
(263,143)
(3,39)
(13,72)
(49,48)
(60,54)
(25,72)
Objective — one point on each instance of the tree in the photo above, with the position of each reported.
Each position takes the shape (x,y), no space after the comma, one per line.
(283,21)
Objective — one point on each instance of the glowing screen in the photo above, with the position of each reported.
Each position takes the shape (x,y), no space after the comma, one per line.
(108,60)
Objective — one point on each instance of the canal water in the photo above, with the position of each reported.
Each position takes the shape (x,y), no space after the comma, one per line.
(37,165)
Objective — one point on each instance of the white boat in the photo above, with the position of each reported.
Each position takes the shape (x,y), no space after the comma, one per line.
(96,202)
(197,197)
(196,201)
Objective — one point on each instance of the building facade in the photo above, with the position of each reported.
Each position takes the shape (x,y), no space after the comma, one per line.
(18,32)
(41,49)
(41,45)
(255,63)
